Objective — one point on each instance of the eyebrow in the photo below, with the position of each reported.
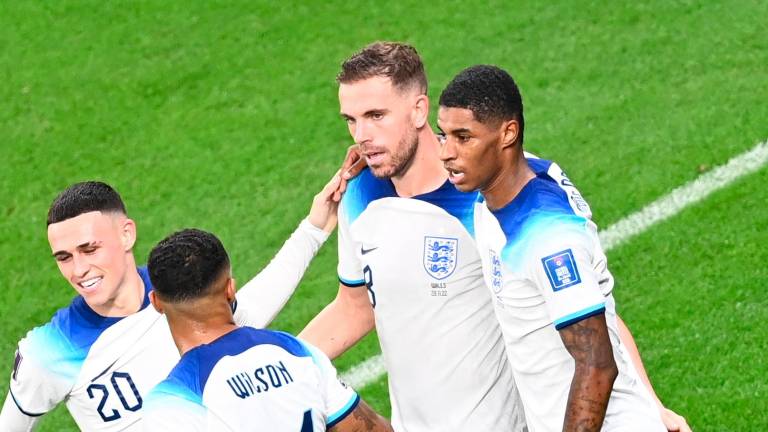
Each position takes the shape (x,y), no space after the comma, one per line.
(80,246)
(368,113)
(456,131)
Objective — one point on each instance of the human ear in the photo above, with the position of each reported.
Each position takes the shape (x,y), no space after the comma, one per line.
(128,233)
(156,303)
(231,290)
(509,132)
(420,113)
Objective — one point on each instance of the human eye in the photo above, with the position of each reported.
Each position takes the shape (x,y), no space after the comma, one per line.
(441,137)
(377,115)
(62,258)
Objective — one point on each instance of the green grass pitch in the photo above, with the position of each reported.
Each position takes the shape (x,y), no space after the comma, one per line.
(223,115)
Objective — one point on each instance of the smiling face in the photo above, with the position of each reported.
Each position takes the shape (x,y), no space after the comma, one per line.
(471,151)
(384,121)
(93,251)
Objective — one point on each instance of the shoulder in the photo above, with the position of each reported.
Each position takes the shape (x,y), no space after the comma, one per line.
(363,190)
(64,342)
(458,204)
(540,215)
(196,365)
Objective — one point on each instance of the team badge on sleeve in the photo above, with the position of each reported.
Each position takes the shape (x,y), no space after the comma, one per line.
(440,256)
(561,270)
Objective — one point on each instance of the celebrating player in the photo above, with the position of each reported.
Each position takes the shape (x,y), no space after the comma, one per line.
(405,235)
(407,260)
(107,349)
(543,262)
(230,377)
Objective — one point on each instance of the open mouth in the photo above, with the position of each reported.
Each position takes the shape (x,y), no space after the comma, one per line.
(455,176)
(374,158)
(90,285)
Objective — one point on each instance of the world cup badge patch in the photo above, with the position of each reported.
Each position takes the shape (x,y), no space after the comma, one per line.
(440,256)
(561,270)
(496,280)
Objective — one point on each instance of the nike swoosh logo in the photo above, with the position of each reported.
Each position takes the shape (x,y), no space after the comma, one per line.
(364,251)
(104,371)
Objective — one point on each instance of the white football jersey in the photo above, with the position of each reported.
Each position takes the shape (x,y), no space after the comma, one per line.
(250,380)
(440,341)
(104,367)
(544,265)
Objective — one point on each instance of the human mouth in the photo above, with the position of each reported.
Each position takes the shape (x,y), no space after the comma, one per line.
(374,158)
(455,176)
(90,285)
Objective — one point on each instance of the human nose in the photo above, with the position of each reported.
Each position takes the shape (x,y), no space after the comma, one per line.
(447,150)
(80,265)
(361,133)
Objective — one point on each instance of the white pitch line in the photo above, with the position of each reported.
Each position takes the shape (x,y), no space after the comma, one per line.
(663,208)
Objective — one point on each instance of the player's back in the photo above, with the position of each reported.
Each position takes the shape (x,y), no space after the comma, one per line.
(249,380)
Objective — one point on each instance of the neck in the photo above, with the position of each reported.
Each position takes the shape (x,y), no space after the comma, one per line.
(425,172)
(130,294)
(200,323)
(508,182)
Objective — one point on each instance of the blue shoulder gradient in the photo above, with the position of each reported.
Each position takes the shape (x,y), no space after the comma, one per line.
(363,190)
(195,366)
(366,188)
(62,344)
(541,208)
(458,204)
(539,166)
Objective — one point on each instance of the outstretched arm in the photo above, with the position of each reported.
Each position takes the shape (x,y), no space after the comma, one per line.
(672,421)
(342,323)
(590,346)
(362,419)
(261,298)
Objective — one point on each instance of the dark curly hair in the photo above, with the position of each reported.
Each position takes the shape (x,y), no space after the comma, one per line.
(184,265)
(489,92)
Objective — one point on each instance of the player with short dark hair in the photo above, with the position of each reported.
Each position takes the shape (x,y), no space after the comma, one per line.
(231,377)
(407,262)
(542,259)
(103,352)
(407,259)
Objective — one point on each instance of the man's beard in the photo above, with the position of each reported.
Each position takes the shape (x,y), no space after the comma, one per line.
(401,159)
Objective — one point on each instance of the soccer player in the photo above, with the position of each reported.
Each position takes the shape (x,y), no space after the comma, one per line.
(543,262)
(407,260)
(408,263)
(107,349)
(233,378)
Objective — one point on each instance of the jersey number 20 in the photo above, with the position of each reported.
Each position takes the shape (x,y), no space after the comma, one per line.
(118,379)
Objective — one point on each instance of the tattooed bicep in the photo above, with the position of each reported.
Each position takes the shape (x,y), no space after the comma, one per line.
(362,419)
(588,340)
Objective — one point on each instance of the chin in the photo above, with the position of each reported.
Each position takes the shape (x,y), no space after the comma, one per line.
(383,171)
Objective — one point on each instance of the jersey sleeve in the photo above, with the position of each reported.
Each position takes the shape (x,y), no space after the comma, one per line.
(169,407)
(561,267)
(350,269)
(13,420)
(259,300)
(340,399)
(42,376)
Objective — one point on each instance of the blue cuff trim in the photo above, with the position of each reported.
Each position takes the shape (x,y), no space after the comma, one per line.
(580,315)
(22,409)
(343,413)
(352,283)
